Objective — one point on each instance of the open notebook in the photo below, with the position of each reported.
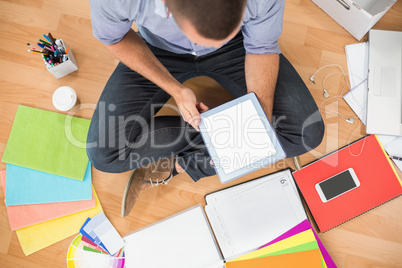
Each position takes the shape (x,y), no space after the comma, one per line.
(243,218)
(246,216)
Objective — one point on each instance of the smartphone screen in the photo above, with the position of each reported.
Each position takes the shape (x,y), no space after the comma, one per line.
(337,185)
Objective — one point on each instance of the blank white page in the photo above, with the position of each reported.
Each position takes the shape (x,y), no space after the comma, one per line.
(357,59)
(238,136)
(183,240)
(393,146)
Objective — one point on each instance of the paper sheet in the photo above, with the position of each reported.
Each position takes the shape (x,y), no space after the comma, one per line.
(39,236)
(357,59)
(303,259)
(293,241)
(303,226)
(181,241)
(49,142)
(393,146)
(100,227)
(27,186)
(27,215)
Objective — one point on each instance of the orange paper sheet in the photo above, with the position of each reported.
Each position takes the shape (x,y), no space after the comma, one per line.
(25,215)
(302,259)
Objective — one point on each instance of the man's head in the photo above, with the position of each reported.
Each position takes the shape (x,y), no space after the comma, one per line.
(208,22)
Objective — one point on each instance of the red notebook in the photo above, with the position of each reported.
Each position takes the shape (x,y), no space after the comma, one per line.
(379,182)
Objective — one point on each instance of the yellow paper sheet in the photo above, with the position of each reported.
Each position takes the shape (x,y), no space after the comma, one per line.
(296,240)
(39,236)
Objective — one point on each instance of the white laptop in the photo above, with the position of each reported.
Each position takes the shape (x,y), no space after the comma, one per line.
(384,107)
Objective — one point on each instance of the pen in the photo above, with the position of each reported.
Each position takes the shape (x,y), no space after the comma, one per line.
(45,43)
(51,38)
(396,158)
(35,51)
(28,44)
(44,47)
(47,38)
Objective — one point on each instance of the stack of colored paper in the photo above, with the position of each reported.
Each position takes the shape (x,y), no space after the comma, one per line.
(298,247)
(47,181)
(101,236)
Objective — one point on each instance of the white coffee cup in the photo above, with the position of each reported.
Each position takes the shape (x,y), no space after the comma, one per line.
(64,98)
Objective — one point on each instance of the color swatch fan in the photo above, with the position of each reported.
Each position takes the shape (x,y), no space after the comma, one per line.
(80,255)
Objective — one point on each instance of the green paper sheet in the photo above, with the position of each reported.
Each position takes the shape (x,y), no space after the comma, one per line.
(48,142)
(296,240)
(303,247)
(304,241)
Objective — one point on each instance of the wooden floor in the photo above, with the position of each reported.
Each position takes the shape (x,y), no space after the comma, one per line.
(310,40)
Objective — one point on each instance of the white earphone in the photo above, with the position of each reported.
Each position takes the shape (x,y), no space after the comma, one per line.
(350,120)
(326,94)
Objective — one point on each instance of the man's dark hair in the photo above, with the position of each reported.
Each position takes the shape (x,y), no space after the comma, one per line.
(214,19)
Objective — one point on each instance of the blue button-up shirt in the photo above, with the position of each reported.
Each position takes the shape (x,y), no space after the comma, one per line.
(112,19)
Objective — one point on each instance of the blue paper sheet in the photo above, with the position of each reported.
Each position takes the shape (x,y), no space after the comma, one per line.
(27,186)
(92,237)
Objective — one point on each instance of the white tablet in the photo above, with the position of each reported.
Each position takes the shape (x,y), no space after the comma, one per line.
(239,138)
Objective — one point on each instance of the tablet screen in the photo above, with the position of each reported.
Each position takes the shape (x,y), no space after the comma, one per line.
(238,136)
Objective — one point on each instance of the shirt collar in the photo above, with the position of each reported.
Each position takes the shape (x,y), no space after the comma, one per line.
(161,9)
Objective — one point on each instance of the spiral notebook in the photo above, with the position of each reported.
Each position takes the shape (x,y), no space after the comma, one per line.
(379,182)
(244,217)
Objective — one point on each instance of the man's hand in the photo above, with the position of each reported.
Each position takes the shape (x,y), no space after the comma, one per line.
(134,53)
(188,106)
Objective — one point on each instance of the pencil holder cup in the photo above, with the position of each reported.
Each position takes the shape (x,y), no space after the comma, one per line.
(68,65)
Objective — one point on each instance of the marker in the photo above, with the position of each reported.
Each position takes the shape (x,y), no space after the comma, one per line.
(47,38)
(66,51)
(51,38)
(44,47)
(35,51)
(395,158)
(45,43)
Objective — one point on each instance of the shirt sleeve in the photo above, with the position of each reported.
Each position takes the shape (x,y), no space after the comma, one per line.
(263,26)
(109,25)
